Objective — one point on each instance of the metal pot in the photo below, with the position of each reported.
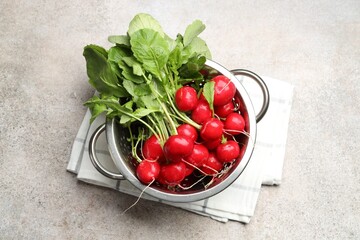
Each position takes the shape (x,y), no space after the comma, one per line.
(120,149)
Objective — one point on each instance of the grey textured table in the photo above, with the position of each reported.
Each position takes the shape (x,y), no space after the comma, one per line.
(314,45)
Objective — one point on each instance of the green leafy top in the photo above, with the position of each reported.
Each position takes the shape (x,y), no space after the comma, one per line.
(144,21)
(137,77)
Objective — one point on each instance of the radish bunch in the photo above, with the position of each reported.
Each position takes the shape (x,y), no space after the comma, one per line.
(181,116)
(199,150)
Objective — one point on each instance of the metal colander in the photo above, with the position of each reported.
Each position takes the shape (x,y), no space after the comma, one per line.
(120,148)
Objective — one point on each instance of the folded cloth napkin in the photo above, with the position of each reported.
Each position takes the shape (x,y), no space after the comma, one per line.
(238,201)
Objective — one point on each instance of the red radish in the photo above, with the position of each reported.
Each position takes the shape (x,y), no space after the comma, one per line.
(224,90)
(189,170)
(198,156)
(234,124)
(202,112)
(160,179)
(186,98)
(152,149)
(212,165)
(228,151)
(147,171)
(202,97)
(177,147)
(212,129)
(188,131)
(173,173)
(224,110)
(212,144)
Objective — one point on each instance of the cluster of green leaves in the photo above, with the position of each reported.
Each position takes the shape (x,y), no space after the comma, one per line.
(136,79)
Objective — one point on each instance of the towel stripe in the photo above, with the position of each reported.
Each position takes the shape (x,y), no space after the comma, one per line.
(118,185)
(205,206)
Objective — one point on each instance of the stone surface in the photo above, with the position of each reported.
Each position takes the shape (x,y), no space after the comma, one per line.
(311,44)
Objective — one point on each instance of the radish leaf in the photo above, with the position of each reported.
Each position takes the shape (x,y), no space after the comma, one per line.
(192,31)
(208,92)
(121,40)
(150,49)
(199,46)
(128,73)
(117,53)
(144,21)
(135,64)
(100,73)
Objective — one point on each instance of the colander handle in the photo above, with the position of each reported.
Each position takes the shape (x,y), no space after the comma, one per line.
(264,89)
(95,161)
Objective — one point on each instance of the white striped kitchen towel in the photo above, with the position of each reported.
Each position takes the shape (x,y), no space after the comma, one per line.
(238,201)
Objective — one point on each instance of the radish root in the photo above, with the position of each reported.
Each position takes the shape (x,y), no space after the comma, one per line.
(198,168)
(139,197)
(189,187)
